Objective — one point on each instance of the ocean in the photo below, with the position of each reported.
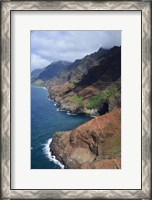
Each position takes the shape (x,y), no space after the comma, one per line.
(46,119)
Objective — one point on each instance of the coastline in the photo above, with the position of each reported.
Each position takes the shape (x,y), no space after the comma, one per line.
(50,148)
(46,148)
(95,144)
(57,104)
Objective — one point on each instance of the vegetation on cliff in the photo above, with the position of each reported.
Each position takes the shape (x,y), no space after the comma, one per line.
(94,81)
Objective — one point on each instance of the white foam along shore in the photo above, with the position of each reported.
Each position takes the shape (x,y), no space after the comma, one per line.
(61,110)
(39,87)
(70,113)
(50,99)
(48,153)
(55,103)
(45,88)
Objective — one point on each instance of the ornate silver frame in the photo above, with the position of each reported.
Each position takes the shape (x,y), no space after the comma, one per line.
(145,8)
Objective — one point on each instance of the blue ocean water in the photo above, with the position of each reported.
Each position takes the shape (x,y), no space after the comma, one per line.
(45,121)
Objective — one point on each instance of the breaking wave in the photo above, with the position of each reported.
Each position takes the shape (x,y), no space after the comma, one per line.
(52,158)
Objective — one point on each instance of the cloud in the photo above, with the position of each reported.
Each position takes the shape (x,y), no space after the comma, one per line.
(38,62)
(49,46)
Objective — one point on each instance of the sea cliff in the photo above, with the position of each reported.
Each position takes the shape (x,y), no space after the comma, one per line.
(93,145)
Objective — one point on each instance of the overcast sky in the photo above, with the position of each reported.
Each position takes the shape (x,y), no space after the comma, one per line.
(50,46)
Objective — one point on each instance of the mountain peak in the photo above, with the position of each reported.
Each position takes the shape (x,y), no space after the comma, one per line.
(101,49)
(53,69)
(61,61)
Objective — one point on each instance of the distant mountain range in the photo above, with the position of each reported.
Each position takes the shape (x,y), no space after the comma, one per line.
(50,71)
(35,73)
(53,69)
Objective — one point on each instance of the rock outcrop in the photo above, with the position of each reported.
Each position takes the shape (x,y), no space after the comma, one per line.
(93,145)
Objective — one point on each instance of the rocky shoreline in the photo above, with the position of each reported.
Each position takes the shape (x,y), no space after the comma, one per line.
(93,145)
(74,110)
(84,111)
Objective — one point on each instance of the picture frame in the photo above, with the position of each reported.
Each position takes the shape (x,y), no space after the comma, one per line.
(6,121)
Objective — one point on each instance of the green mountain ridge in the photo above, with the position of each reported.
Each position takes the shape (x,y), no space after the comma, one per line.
(91,85)
(53,69)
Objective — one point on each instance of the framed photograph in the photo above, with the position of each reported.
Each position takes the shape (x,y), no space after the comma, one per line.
(75,82)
